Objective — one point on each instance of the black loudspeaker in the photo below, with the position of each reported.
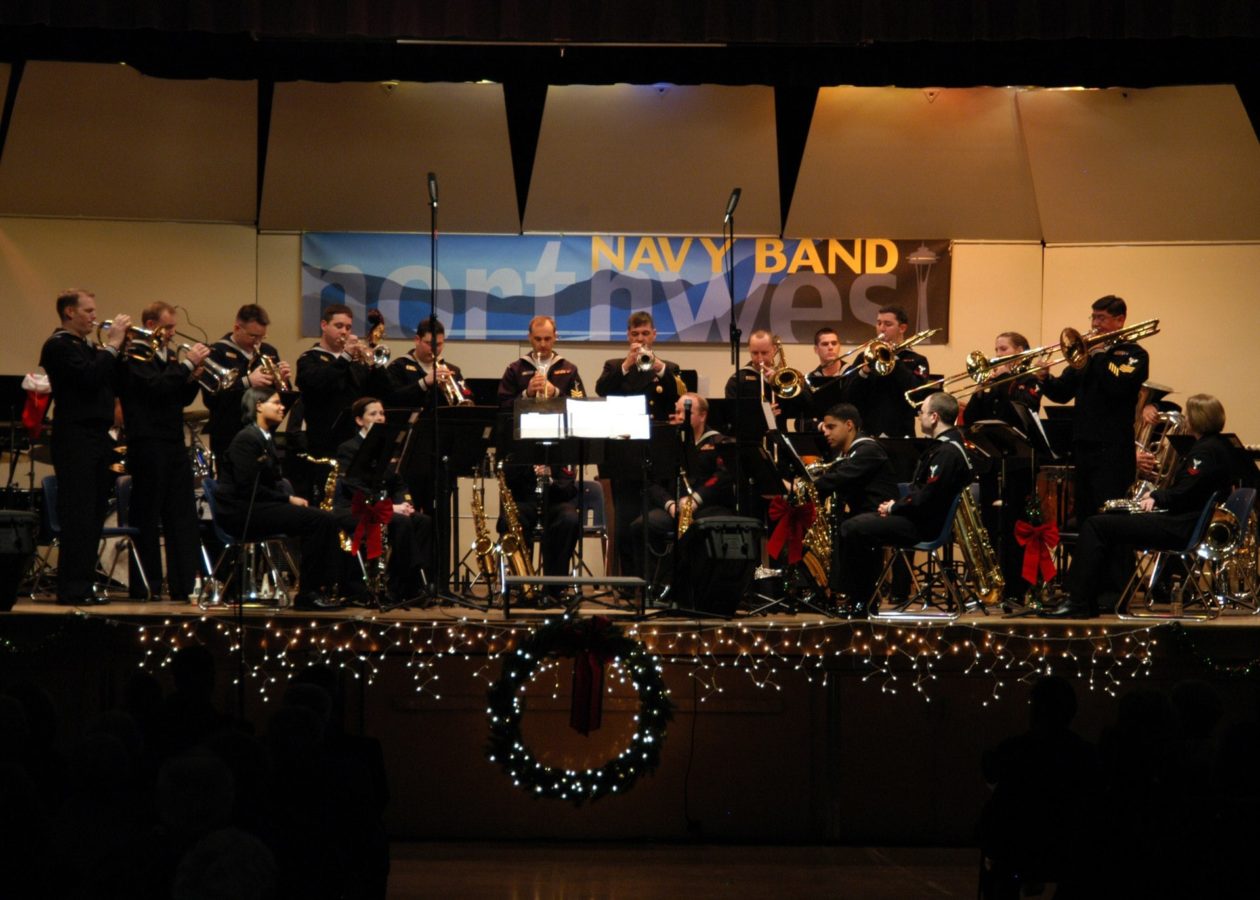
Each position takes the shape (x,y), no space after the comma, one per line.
(717,558)
(17,547)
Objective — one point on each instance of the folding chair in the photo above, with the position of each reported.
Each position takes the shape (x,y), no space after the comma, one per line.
(935,596)
(265,582)
(124,533)
(1194,595)
(594,520)
(1236,579)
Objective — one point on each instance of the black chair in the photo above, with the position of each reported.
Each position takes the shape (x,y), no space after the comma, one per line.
(936,597)
(1191,600)
(124,533)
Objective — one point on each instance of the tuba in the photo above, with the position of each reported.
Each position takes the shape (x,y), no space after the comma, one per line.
(977,550)
(513,548)
(785,381)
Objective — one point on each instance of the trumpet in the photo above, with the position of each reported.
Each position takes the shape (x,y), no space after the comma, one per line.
(143,342)
(881,355)
(785,382)
(375,335)
(452,390)
(645,360)
(214,377)
(272,367)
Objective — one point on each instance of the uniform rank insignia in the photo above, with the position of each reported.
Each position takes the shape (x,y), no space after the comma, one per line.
(932,476)
(1193,468)
(1124,369)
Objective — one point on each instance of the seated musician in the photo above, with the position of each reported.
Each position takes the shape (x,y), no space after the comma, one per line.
(943,471)
(709,489)
(858,475)
(1012,402)
(409,532)
(1104,549)
(252,491)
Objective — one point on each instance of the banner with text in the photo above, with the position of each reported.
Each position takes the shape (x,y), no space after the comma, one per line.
(490,286)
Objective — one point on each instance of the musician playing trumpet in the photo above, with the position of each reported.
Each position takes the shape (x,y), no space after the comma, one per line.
(331,376)
(241,349)
(155,393)
(881,398)
(422,377)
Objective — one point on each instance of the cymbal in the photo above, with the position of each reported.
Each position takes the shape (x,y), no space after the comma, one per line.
(196,415)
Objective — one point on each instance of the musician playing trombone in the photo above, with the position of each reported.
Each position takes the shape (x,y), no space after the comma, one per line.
(156,389)
(881,398)
(1106,392)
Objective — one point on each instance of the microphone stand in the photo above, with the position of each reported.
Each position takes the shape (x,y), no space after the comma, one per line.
(441,512)
(728,235)
(242,569)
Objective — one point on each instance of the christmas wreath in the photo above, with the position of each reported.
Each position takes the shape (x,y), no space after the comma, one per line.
(592,644)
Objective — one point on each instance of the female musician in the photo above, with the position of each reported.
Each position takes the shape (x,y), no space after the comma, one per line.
(1104,549)
(1015,402)
(253,500)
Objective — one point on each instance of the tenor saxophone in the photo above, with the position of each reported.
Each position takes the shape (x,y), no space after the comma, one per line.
(345,541)
(512,545)
(817,541)
(977,550)
(483,545)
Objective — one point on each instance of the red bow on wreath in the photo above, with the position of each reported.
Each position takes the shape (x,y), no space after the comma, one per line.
(1037,541)
(586,709)
(371,517)
(793,521)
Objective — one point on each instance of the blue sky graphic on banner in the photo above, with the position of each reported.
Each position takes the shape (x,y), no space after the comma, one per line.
(490,286)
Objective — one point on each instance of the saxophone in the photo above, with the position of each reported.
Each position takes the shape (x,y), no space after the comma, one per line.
(345,541)
(512,545)
(977,550)
(817,541)
(483,546)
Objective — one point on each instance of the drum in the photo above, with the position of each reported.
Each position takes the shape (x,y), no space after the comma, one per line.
(1056,491)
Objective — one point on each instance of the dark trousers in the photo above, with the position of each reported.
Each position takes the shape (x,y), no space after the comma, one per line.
(162,504)
(861,540)
(410,551)
(999,521)
(559,536)
(81,459)
(319,567)
(1103,561)
(1103,472)
(627,497)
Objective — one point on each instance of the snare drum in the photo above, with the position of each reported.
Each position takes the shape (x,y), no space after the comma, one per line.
(1056,491)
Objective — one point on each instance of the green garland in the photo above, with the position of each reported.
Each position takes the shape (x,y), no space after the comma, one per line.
(568,637)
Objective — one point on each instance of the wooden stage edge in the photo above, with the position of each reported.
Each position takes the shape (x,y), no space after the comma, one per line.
(664,619)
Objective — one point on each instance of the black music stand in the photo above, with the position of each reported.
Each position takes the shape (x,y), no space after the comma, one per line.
(1244,459)
(461,436)
(377,457)
(565,448)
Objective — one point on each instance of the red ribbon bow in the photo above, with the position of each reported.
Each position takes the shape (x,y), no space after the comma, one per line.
(793,521)
(1037,541)
(371,518)
(586,706)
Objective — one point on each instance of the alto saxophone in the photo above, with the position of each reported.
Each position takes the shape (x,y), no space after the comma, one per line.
(512,545)
(345,541)
(817,541)
(483,545)
(977,550)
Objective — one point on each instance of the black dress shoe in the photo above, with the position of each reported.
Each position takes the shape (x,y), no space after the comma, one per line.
(316,600)
(1067,611)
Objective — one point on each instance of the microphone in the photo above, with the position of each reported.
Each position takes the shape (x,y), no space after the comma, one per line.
(433,189)
(686,413)
(731,204)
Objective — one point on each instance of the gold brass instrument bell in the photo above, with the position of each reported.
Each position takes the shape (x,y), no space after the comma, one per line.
(785,382)
(142,343)
(881,355)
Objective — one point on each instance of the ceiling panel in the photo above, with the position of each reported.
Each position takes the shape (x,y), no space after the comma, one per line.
(907,163)
(655,159)
(354,157)
(1163,164)
(104,141)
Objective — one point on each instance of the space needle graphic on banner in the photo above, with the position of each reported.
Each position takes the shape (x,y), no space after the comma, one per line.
(490,286)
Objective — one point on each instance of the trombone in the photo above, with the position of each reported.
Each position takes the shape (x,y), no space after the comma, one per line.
(1073,348)
(881,355)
